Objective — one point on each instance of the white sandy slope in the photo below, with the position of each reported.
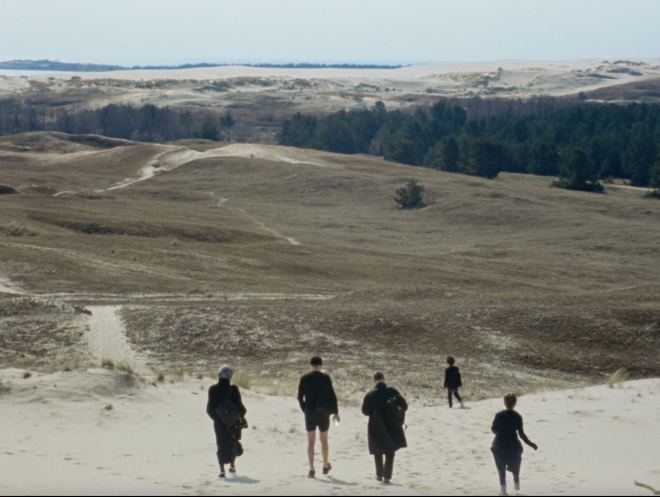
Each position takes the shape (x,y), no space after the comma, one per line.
(59,438)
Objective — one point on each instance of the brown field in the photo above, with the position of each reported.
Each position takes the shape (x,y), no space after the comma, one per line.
(263,260)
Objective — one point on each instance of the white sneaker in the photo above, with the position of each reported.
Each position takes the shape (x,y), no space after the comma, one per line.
(503,491)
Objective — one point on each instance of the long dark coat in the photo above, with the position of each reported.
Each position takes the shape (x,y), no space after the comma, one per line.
(226,439)
(383,439)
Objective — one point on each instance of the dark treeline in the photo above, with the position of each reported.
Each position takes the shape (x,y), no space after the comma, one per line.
(49,65)
(580,141)
(147,123)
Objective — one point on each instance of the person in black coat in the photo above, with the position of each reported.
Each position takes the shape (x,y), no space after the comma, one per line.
(452,382)
(385,438)
(227,437)
(506,447)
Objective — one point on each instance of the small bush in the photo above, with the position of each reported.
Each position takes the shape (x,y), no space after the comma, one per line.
(619,376)
(653,194)
(108,364)
(160,378)
(589,186)
(7,190)
(126,368)
(411,196)
(27,375)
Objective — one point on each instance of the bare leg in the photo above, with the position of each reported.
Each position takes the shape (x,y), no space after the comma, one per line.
(325,449)
(311,442)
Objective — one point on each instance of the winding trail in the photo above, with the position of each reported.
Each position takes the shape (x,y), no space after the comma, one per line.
(223,201)
(107,339)
(7,287)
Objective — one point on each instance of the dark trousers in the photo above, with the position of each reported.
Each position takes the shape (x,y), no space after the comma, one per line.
(453,391)
(386,470)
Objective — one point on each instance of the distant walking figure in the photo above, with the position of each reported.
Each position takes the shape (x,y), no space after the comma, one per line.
(506,448)
(225,407)
(386,409)
(318,401)
(452,382)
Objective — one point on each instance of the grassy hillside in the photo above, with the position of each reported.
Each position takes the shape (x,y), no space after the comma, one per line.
(271,256)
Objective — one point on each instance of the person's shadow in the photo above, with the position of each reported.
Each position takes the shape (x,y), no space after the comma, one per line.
(334,481)
(245,480)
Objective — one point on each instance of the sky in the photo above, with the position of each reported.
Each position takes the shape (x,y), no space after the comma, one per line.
(170,32)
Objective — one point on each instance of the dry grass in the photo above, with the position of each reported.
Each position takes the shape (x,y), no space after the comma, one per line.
(108,363)
(618,377)
(562,286)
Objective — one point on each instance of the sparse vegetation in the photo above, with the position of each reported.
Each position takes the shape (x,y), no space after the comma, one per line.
(619,376)
(108,364)
(27,375)
(411,196)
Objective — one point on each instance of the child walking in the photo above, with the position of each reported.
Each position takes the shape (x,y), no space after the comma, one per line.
(452,382)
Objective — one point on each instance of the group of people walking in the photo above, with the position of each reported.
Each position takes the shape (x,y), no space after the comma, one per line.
(385,407)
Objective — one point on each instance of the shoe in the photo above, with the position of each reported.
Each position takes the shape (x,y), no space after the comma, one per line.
(503,491)
(386,480)
(222,474)
(379,478)
(327,470)
(232,469)
(312,474)
(517,487)
(462,405)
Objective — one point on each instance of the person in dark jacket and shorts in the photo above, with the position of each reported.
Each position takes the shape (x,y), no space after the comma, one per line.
(385,436)
(227,437)
(506,447)
(318,401)
(452,382)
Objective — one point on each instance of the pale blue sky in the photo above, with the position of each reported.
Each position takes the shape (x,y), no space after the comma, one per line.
(131,32)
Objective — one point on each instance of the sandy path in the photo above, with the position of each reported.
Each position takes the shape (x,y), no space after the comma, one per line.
(7,286)
(223,201)
(638,188)
(107,339)
(176,157)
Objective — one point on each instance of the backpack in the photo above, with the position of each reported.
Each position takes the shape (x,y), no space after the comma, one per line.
(229,413)
(395,415)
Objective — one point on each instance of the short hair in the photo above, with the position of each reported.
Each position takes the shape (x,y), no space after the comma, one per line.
(451,361)
(379,377)
(510,400)
(316,361)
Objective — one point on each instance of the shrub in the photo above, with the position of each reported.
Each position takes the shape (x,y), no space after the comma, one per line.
(411,196)
(653,194)
(108,364)
(619,376)
(578,172)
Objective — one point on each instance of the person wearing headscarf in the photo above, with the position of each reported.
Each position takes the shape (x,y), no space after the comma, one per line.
(227,437)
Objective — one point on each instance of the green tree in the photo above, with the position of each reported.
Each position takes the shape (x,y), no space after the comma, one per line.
(410,196)
(578,172)
(655,181)
(487,158)
(543,159)
(400,150)
(639,158)
(227,122)
(208,131)
(444,155)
